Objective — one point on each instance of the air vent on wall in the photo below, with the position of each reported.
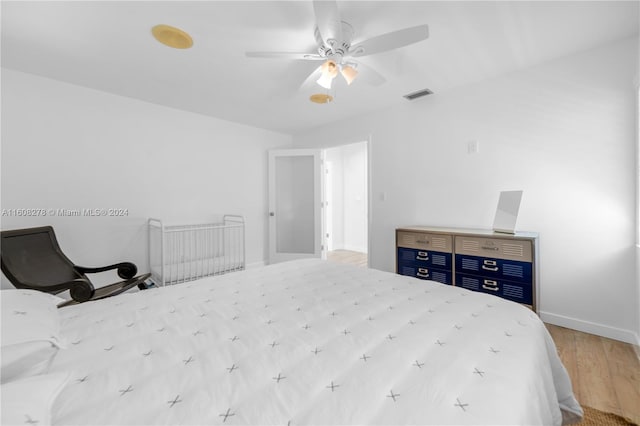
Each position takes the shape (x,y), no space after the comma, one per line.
(418,94)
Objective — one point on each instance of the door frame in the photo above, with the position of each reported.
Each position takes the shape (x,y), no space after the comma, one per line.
(318,201)
(321,240)
(367,143)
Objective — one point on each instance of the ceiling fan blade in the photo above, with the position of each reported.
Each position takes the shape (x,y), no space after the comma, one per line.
(296,74)
(285,55)
(369,75)
(389,41)
(310,81)
(328,21)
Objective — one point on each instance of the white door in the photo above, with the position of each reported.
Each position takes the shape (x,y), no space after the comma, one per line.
(295,204)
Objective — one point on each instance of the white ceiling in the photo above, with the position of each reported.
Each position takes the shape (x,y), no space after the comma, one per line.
(108,46)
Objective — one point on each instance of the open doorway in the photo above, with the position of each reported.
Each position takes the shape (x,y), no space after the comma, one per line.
(346,195)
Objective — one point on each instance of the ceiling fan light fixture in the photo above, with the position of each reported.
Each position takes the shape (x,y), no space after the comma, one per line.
(329,72)
(172,36)
(349,73)
(325,81)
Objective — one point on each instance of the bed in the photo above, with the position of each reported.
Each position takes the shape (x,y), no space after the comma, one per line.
(297,343)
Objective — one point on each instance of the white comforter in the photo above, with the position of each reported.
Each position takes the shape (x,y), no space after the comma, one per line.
(309,342)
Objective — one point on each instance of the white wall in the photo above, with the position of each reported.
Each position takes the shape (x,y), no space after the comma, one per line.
(564,133)
(68,147)
(637,84)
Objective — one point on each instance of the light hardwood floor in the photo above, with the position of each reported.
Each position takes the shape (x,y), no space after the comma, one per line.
(347,256)
(605,373)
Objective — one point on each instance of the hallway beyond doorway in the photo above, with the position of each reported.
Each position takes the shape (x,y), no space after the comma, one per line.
(348,256)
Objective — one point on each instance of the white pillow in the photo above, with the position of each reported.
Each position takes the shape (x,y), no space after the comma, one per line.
(26,359)
(30,400)
(30,332)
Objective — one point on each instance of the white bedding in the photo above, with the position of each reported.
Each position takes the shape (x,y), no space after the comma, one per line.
(308,342)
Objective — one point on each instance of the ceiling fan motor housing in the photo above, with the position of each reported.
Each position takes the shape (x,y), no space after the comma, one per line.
(335,47)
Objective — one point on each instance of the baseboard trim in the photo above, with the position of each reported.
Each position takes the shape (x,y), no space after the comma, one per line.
(614,333)
(256,264)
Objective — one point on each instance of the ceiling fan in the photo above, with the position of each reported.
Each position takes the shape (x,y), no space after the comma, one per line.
(334,36)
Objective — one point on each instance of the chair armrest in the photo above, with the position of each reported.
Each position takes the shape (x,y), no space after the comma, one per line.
(126,270)
(80,289)
(119,287)
(108,290)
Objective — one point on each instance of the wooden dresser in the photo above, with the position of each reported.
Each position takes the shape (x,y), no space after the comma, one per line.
(505,265)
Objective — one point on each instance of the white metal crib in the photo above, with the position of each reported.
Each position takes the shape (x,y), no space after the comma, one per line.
(179,253)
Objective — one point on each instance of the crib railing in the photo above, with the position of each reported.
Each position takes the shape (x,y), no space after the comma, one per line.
(180,253)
